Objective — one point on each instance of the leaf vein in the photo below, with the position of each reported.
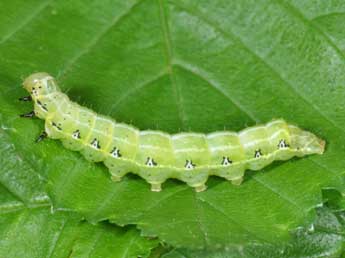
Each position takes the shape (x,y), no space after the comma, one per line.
(135,89)
(262,60)
(215,85)
(232,219)
(56,239)
(268,187)
(295,12)
(26,21)
(93,42)
(168,55)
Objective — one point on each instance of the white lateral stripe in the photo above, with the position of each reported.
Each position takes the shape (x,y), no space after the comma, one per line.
(245,131)
(148,146)
(253,143)
(217,134)
(104,119)
(129,127)
(184,135)
(279,121)
(154,148)
(149,132)
(224,147)
(301,136)
(122,140)
(277,133)
(190,150)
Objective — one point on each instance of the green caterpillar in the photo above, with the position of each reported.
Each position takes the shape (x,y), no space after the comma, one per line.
(157,156)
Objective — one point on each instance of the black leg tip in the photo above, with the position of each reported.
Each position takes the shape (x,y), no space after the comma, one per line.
(28,115)
(42,136)
(26,98)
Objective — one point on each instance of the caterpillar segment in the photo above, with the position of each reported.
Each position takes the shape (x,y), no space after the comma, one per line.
(157,156)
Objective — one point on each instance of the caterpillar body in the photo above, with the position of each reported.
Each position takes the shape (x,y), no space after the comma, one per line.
(157,156)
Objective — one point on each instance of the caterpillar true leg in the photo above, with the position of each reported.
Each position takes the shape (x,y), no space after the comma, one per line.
(41,137)
(26,98)
(30,114)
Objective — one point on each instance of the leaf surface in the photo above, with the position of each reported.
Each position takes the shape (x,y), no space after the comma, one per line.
(184,66)
(324,239)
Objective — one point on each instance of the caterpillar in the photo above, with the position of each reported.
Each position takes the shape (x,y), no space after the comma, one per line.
(157,156)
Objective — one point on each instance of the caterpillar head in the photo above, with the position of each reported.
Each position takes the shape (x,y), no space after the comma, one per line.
(306,142)
(39,84)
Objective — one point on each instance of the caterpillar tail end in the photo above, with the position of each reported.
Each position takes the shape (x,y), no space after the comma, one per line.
(305,142)
(322,146)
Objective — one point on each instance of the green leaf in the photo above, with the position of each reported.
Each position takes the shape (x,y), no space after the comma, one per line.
(192,66)
(325,239)
(37,233)
(29,229)
(18,174)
